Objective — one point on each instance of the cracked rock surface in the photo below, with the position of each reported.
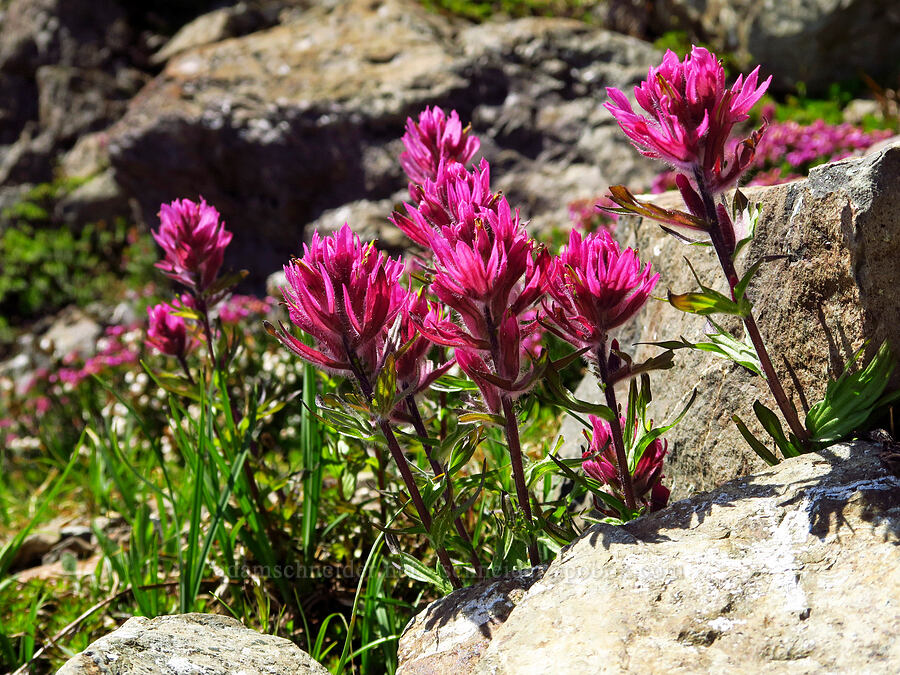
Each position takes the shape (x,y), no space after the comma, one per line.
(790,570)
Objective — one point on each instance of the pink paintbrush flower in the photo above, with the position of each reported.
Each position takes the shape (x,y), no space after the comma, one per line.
(433,139)
(193,240)
(167,332)
(347,295)
(453,196)
(487,266)
(599,462)
(690,116)
(595,287)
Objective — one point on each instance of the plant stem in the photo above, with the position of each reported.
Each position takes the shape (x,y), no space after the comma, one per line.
(416,497)
(788,411)
(512,439)
(419,426)
(403,465)
(616,428)
(185,368)
(515,456)
(207,328)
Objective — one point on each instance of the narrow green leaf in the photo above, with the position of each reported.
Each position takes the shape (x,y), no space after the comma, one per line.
(754,442)
(485,418)
(772,425)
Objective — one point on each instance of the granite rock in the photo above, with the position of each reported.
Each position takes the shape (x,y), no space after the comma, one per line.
(789,570)
(190,643)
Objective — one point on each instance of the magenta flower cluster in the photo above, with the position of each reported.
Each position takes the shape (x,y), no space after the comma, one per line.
(346,295)
(800,147)
(690,116)
(495,288)
(600,463)
(594,287)
(433,139)
(193,240)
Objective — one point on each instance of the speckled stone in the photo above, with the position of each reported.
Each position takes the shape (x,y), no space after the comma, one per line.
(199,644)
(794,569)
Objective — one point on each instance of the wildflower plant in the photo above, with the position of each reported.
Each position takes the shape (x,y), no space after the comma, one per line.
(348,296)
(477,302)
(687,119)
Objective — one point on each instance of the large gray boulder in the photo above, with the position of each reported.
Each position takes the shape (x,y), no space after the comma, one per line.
(190,643)
(278,126)
(67,67)
(836,291)
(790,570)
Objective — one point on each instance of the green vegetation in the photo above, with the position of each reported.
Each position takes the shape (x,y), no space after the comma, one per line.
(482,10)
(48,265)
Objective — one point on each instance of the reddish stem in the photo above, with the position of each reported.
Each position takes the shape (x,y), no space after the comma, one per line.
(788,411)
(438,470)
(616,428)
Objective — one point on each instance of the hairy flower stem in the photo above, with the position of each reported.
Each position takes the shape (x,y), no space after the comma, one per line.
(512,441)
(416,497)
(515,456)
(203,309)
(403,466)
(439,470)
(616,428)
(788,411)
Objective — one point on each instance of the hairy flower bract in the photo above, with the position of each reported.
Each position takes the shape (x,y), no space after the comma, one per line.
(595,287)
(346,294)
(599,462)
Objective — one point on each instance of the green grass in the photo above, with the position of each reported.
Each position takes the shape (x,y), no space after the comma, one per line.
(479,10)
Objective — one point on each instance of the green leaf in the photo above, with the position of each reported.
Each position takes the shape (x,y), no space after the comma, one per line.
(754,442)
(537,470)
(722,344)
(417,570)
(564,399)
(451,384)
(772,425)
(646,439)
(485,418)
(463,451)
(706,303)
(172,383)
(385,392)
(851,398)
(662,361)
